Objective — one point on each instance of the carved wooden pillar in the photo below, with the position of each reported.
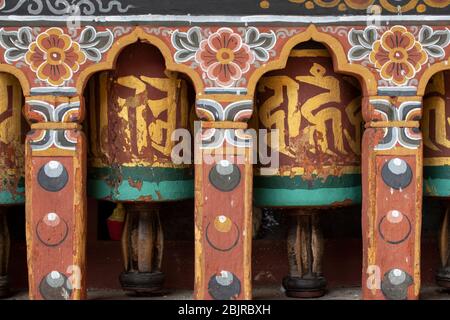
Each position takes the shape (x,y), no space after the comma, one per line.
(4,253)
(142,248)
(55,198)
(305,250)
(223,201)
(392,197)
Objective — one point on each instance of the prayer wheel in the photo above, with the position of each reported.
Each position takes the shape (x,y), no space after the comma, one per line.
(134,110)
(436,141)
(318,115)
(12,184)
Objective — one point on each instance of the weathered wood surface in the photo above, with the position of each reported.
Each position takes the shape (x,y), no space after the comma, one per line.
(55,177)
(223,224)
(318,115)
(134,111)
(392,198)
(393,63)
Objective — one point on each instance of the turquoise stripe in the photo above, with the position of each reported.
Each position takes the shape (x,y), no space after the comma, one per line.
(265,197)
(436,181)
(150,191)
(297,182)
(7,198)
(287,192)
(147,184)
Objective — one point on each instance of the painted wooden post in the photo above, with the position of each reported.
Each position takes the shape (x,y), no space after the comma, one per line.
(223,201)
(55,198)
(392,197)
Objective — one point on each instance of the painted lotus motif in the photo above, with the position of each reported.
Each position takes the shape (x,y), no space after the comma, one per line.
(398,55)
(54,57)
(224,57)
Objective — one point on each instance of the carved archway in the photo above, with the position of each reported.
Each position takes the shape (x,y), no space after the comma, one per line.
(137,34)
(338,54)
(429,73)
(19,75)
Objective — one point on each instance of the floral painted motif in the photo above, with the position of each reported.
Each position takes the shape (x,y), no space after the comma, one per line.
(224,56)
(53,55)
(397,54)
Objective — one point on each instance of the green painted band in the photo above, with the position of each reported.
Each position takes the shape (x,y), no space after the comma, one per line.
(140,174)
(7,197)
(297,182)
(279,191)
(440,172)
(436,181)
(303,197)
(141,184)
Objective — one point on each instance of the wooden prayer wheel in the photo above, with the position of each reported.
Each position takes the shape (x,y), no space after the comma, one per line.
(133,112)
(12,183)
(436,141)
(318,115)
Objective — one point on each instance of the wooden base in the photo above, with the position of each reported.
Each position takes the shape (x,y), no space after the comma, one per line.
(443,275)
(443,278)
(142,248)
(4,286)
(142,282)
(297,287)
(305,251)
(4,254)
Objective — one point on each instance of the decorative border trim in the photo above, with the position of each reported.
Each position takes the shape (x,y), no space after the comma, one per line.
(218,19)
(397,91)
(59,139)
(212,110)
